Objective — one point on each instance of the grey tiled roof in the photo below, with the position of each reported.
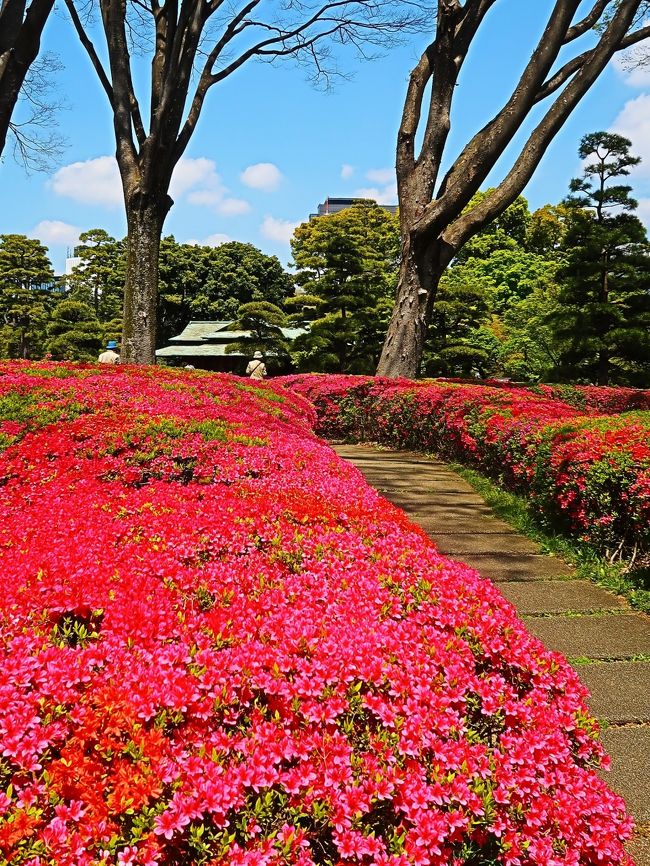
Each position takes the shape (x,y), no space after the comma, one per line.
(199,331)
(196,351)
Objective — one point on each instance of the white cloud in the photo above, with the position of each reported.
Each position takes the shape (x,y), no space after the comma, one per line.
(233,206)
(384,195)
(215,199)
(263,175)
(93,181)
(277,229)
(347,171)
(633,75)
(200,180)
(191,173)
(381,175)
(208,197)
(56,232)
(97,181)
(211,241)
(634,123)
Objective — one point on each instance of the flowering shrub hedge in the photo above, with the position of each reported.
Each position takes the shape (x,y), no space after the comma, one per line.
(595,399)
(219,646)
(586,472)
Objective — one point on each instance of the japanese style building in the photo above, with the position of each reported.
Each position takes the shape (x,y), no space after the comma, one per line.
(203,345)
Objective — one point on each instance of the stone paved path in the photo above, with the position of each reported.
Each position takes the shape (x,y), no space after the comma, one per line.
(605,640)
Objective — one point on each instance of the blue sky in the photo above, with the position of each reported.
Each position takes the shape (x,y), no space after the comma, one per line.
(270,147)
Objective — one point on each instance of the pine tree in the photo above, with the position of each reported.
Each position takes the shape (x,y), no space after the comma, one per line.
(347,265)
(262,324)
(98,279)
(75,333)
(603,317)
(27,294)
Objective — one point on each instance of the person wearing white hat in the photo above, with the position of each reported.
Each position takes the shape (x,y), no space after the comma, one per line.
(256,368)
(109,356)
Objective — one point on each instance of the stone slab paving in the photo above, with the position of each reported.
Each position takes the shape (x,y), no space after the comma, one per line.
(572,616)
(611,636)
(640,850)
(620,691)
(558,596)
(524,567)
(629,749)
(432,523)
(458,545)
(461,509)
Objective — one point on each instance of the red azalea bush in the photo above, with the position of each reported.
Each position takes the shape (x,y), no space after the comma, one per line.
(598,399)
(588,473)
(594,399)
(220,646)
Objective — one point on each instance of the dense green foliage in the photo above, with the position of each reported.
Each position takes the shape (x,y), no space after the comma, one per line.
(260,325)
(347,269)
(560,294)
(602,319)
(73,317)
(198,282)
(486,315)
(28,294)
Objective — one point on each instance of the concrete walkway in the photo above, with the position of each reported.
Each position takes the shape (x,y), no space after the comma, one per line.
(605,640)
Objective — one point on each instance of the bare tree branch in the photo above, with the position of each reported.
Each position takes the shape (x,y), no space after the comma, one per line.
(481,153)
(573,65)
(21,27)
(179,31)
(588,22)
(435,224)
(286,41)
(90,50)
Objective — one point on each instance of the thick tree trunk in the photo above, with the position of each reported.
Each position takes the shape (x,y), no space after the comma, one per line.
(145,217)
(603,367)
(441,209)
(420,273)
(603,354)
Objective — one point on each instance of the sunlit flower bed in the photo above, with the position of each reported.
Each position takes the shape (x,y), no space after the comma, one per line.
(595,399)
(598,399)
(585,469)
(220,646)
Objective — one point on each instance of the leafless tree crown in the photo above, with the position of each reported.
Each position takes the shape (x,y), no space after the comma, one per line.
(28,107)
(549,78)
(195,44)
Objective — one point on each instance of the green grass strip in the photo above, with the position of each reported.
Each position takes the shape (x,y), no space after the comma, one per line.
(631,582)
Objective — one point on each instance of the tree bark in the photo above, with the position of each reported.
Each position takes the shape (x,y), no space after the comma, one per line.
(438,217)
(195,45)
(145,217)
(421,267)
(603,353)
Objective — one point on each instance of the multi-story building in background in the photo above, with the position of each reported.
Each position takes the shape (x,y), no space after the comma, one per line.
(334,205)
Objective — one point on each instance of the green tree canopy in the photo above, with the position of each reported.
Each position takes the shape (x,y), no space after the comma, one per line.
(261,324)
(507,232)
(347,267)
(27,295)
(75,333)
(493,273)
(199,282)
(98,279)
(529,346)
(547,229)
(603,318)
